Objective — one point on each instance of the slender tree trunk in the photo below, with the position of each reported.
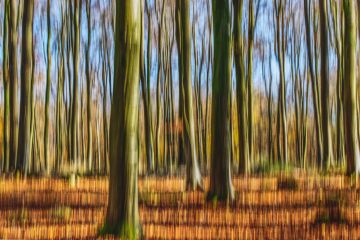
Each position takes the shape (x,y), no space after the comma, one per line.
(350,121)
(240,87)
(193,176)
(122,213)
(13,69)
(75,97)
(325,85)
(249,78)
(145,86)
(47,93)
(220,174)
(88,90)
(25,101)
(6,83)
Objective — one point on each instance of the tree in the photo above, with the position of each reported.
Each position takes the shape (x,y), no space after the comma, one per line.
(13,70)
(220,173)
(88,86)
(240,87)
(122,213)
(6,83)
(350,122)
(280,42)
(25,100)
(74,113)
(193,176)
(145,86)
(48,86)
(325,113)
(313,78)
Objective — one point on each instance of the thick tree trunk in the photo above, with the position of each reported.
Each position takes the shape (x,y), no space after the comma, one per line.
(220,174)
(25,101)
(122,213)
(350,121)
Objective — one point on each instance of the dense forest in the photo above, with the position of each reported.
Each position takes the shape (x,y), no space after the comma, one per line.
(198,90)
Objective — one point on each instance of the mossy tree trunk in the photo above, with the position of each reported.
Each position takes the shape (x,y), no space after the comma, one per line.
(220,173)
(25,100)
(122,213)
(350,119)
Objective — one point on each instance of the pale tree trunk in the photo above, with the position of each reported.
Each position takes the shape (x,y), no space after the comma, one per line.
(325,109)
(220,174)
(25,101)
(122,214)
(193,176)
(350,120)
(339,156)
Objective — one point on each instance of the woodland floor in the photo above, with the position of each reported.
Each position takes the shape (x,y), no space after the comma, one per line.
(265,208)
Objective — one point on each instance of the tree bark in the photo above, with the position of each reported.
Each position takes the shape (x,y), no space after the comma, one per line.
(220,174)
(13,69)
(6,83)
(350,121)
(240,88)
(47,93)
(325,113)
(25,100)
(122,213)
(193,176)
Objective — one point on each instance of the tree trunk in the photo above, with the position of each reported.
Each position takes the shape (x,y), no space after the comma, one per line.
(6,83)
(145,86)
(75,97)
(88,90)
(193,176)
(240,87)
(251,28)
(350,121)
(13,69)
(122,214)
(47,93)
(25,101)
(325,113)
(220,174)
